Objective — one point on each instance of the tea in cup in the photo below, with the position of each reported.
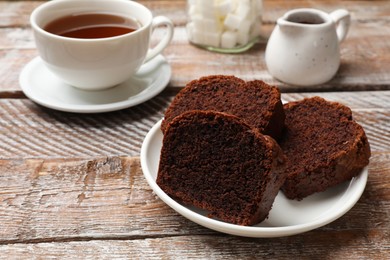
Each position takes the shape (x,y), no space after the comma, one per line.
(96,44)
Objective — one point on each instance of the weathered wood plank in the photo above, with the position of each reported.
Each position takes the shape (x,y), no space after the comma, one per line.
(31,131)
(351,244)
(61,200)
(361,67)
(71,185)
(365,56)
(16,13)
(67,199)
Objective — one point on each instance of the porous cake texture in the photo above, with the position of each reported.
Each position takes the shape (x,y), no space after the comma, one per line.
(217,162)
(324,146)
(255,102)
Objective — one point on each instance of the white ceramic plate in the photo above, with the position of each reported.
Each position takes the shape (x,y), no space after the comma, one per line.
(44,88)
(287,217)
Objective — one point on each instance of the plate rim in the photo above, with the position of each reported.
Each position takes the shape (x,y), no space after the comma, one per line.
(246,231)
(146,94)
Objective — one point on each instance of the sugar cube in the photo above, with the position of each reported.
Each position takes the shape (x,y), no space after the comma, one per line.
(211,39)
(244,27)
(242,10)
(223,8)
(232,21)
(228,39)
(242,38)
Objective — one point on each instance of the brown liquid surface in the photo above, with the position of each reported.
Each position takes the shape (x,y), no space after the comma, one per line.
(91,26)
(310,22)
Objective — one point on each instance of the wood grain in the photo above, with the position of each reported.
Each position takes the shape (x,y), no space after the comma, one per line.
(31,131)
(82,199)
(78,203)
(365,59)
(63,199)
(71,185)
(306,246)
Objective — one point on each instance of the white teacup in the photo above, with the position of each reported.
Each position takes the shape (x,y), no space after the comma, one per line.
(97,63)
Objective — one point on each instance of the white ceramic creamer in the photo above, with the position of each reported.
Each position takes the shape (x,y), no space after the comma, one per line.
(303,49)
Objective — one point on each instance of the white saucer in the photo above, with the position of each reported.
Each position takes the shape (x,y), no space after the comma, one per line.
(44,88)
(287,217)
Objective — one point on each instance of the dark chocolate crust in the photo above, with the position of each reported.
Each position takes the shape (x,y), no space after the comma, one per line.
(323,144)
(217,162)
(255,102)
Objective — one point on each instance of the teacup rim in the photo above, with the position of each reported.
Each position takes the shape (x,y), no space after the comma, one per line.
(325,16)
(39,28)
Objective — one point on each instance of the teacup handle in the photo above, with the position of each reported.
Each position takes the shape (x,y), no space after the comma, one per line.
(342,19)
(160,21)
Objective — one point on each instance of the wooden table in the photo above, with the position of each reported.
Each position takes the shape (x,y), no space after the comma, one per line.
(71,185)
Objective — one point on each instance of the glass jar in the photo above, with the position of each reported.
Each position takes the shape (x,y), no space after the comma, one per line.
(227,26)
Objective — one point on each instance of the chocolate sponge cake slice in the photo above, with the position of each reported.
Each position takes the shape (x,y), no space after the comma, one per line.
(218,163)
(257,103)
(323,146)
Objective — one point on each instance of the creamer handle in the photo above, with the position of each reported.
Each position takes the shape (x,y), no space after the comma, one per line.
(342,19)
